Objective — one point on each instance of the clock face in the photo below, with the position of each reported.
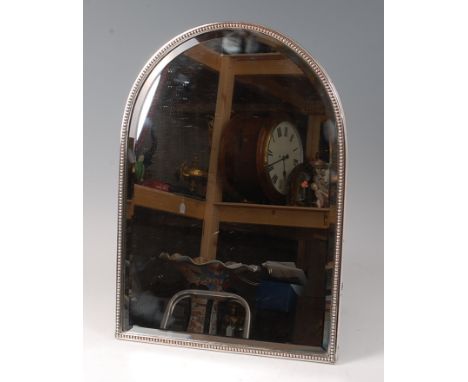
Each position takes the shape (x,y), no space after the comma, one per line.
(283,153)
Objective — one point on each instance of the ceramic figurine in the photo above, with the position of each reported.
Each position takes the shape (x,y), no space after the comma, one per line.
(321,184)
(140,168)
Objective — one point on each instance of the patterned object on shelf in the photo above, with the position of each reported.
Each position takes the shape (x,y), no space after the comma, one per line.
(211,275)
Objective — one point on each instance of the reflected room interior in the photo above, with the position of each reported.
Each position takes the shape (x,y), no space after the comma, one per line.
(231,197)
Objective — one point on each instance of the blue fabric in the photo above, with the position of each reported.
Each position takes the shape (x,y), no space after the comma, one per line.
(277,296)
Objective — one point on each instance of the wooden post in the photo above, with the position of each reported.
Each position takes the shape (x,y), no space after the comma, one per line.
(312,147)
(214,188)
(313,136)
(310,308)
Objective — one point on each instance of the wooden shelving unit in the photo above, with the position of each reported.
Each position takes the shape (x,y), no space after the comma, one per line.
(285,216)
(213,210)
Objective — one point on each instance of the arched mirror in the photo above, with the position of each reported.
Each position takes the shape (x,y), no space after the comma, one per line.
(231,197)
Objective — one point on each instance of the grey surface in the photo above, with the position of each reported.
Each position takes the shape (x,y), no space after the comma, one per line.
(346,38)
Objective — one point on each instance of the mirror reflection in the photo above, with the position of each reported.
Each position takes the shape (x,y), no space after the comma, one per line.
(231,196)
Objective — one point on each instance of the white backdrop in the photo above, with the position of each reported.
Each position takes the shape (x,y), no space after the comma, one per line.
(346,38)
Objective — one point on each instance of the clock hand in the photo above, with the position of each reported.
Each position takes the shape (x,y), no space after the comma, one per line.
(284,169)
(279,160)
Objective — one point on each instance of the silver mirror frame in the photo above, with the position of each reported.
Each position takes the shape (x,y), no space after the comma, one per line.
(328,356)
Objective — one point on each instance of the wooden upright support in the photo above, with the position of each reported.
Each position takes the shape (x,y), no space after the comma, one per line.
(214,188)
(313,136)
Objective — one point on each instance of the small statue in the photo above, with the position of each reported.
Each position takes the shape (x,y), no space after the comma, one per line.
(233,322)
(194,176)
(320,187)
(140,169)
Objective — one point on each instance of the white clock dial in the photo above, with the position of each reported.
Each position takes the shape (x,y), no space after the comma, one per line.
(284,152)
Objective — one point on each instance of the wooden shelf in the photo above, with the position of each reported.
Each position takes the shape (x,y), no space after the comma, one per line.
(244,213)
(246,64)
(167,202)
(286,216)
(278,65)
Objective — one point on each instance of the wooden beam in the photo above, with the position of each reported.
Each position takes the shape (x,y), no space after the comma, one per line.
(202,107)
(270,86)
(205,56)
(167,202)
(245,63)
(257,56)
(271,66)
(313,136)
(214,188)
(285,216)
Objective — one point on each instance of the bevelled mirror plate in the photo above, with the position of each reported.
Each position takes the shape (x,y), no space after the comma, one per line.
(231,197)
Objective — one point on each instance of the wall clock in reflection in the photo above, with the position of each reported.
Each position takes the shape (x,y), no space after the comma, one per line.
(221,243)
(258,155)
